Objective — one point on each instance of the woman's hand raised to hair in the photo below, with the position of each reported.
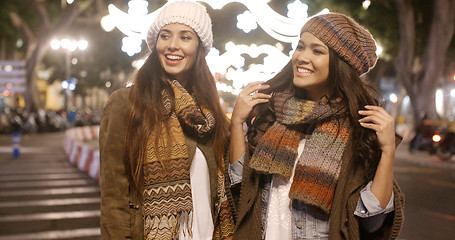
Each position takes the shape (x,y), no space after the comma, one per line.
(380,121)
(247,99)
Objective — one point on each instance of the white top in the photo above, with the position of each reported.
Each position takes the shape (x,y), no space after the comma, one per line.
(200,192)
(279,210)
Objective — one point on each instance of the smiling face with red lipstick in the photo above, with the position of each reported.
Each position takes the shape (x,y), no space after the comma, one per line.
(177,48)
(310,64)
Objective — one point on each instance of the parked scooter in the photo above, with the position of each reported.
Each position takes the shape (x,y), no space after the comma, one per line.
(444,144)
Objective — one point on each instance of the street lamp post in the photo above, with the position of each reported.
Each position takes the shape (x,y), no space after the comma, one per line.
(69,46)
(67,77)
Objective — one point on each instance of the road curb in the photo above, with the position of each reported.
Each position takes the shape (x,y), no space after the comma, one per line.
(422,158)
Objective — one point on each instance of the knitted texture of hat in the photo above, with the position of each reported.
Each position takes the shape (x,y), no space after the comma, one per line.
(346,37)
(191,14)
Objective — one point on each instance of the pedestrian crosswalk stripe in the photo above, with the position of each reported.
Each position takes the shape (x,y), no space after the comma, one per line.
(18,171)
(42,176)
(46,183)
(53,191)
(50,202)
(49,216)
(63,234)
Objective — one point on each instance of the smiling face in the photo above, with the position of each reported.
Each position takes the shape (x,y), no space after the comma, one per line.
(310,64)
(177,48)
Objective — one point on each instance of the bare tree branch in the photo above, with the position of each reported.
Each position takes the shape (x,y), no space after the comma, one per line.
(22,26)
(71,13)
(101,11)
(25,31)
(43,15)
(101,7)
(405,57)
(439,39)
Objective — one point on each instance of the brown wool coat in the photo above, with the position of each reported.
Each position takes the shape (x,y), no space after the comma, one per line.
(121,211)
(344,225)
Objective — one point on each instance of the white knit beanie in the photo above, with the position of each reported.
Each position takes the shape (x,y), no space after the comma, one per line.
(191,14)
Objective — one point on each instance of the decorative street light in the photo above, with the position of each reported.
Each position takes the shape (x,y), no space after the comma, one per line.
(69,45)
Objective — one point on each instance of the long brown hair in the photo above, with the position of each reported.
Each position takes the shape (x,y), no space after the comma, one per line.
(148,111)
(345,84)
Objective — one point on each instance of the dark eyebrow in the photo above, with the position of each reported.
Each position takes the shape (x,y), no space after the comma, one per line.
(186,31)
(181,32)
(313,45)
(164,30)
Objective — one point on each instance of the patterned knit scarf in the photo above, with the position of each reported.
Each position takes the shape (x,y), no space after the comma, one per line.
(167,190)
(319,165)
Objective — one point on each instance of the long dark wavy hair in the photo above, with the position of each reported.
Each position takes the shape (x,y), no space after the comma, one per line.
(147,111)
(344,84)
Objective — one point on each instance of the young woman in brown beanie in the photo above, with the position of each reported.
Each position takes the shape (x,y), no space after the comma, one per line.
(163,140)
(318,161)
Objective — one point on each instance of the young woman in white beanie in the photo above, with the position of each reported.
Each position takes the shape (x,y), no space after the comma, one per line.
(162,141)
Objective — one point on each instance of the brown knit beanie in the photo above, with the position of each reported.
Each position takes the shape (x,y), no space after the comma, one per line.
(346,37)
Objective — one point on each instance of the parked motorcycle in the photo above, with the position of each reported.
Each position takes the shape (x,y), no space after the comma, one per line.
(444,144)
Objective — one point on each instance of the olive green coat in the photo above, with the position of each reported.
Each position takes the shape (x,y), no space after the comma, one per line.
(121,211)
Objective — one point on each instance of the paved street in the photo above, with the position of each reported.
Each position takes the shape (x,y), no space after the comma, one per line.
(429,187)
(44,197)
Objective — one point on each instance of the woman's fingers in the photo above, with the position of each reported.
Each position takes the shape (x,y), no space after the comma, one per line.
(260,96)
(247,99)
(380,121)
(375,114)
(253,87)
(376,111)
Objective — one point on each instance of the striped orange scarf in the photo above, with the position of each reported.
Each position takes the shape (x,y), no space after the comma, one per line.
(318,167)
(167,190)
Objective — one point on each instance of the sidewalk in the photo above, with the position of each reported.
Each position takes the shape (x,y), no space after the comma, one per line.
(422,158)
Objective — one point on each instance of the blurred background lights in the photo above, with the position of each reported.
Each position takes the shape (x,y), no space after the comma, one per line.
(65,43)
(246,22)
(138,7)
(55,44)
(82,45)
(279,46)
(439,98)
(135,22)
(68,44)
(72,86)
(378,49)
(131,45)
(393,97)
(366,4)
(108,23)
(72,46)
(297,9)
(65,84)
(138,63)
(8,68)
(83,73)
(19,43)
